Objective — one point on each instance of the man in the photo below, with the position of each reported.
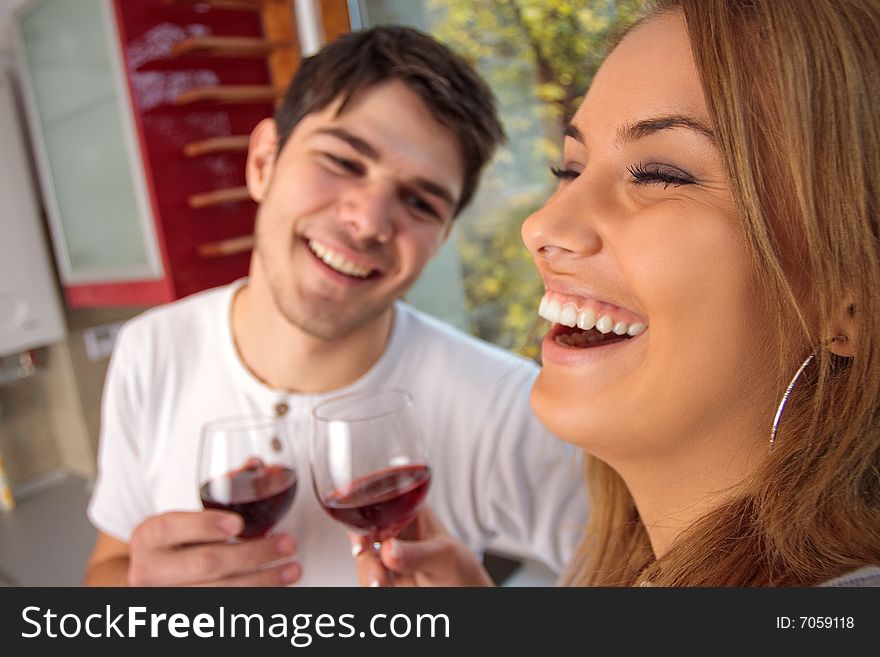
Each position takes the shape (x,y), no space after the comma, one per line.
(379,143)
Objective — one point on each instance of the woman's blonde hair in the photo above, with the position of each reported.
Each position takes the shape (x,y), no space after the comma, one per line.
(793,89)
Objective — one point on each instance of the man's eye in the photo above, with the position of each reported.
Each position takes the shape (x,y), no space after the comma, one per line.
(660,174)
(343,164)
(420,205)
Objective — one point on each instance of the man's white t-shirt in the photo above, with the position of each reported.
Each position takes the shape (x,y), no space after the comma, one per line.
(496,472)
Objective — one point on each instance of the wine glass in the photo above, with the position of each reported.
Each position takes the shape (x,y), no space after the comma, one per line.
(369,462)
(247,465)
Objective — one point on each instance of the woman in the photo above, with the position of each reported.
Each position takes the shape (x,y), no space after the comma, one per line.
(715,231)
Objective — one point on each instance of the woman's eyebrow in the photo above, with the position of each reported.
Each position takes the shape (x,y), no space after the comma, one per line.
(652,125)
(647,127)
(571,130)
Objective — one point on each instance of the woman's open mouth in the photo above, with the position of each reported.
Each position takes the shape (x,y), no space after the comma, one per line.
(589,324)
(571,336)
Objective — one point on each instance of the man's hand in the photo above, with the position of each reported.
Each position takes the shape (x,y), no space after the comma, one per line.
(424,555)
(195,549)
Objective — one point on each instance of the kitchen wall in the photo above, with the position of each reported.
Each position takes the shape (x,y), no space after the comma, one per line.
(50,420)
(6,8)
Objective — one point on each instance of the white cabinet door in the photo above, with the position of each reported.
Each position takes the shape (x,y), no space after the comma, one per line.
(30,314)
(85,142)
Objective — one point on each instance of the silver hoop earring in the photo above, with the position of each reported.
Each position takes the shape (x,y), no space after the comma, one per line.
(786,396)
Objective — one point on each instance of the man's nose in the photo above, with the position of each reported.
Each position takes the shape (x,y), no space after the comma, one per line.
(367,211)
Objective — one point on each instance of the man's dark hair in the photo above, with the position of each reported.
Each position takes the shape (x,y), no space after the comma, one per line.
(456,96)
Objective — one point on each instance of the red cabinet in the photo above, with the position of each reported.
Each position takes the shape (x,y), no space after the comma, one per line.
(140,112)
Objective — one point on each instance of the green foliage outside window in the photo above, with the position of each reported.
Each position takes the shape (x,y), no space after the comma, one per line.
(539,57)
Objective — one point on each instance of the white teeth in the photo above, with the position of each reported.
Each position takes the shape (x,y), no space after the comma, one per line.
(552,311)
(604,324)
(542,309)
(636,329)
(586,320)
(337,261)
(568,316)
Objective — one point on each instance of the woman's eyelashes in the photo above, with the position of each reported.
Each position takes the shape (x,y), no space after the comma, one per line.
(660,174)
(564,174)
(642,174)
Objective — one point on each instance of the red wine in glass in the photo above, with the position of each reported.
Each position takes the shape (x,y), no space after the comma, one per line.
(259,493)
(369,461)
(247,466)
(382,503)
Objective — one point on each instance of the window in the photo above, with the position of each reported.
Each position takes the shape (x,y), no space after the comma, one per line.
(539,57)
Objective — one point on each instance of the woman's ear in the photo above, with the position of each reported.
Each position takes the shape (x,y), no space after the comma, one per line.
(845,340)
(261,158)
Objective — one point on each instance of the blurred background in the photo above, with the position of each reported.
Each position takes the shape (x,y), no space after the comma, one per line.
(123,127)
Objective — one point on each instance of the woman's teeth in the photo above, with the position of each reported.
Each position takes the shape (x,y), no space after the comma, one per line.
(568,314)
(604,324)
(586,319)
(337,261)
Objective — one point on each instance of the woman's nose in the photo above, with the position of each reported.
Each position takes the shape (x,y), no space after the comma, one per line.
(562,228)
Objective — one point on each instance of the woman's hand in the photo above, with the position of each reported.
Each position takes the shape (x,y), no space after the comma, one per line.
(423,555)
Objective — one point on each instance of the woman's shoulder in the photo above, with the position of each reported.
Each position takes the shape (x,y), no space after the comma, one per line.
(867,576)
